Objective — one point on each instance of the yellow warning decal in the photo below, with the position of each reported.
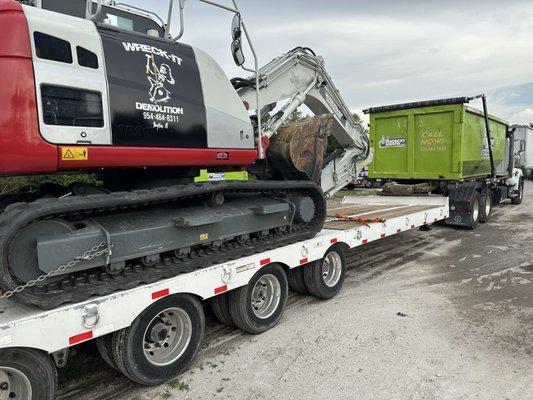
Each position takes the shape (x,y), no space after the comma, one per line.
(204,236)
(74,153)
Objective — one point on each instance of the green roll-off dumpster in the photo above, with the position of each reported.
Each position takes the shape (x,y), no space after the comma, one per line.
(433,140)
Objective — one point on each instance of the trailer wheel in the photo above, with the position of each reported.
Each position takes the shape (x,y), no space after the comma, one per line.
(518,199)
(27,374)
(324,277)
(475,211)
(258,306)
(486,207)
(220,306)
(296,279)
(105,348)
(162,341)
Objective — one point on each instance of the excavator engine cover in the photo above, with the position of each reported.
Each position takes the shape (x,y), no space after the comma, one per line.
(297,150)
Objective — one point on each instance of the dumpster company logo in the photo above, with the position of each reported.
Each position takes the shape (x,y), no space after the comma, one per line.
(485,153)
(386,142)
(432,141)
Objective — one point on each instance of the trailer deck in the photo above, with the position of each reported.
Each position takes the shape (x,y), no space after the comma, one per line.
(61,328)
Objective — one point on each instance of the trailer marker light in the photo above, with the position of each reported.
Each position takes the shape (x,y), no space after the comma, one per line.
(304,261)
(82,337)
(365,241)
(412,226)
(334,240)
(264,262)
(383,235)
(221,289)
(161,293)
(398,230)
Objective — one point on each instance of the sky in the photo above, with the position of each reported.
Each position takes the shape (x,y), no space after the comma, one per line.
(387,51)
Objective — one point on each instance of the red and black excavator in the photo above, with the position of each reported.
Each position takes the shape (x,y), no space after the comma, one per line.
(107,89)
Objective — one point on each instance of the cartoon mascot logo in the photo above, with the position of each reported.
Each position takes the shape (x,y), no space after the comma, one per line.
(158,77)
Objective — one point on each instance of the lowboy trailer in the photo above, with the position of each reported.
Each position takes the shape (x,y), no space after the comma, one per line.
(152,332)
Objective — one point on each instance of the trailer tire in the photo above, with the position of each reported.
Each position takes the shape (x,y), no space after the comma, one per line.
(258,306)
(162,341)
(296,279)
(220,307)
(29,374)
(324,277)
(105,348)
(475,211)
(518,199)
(486,207)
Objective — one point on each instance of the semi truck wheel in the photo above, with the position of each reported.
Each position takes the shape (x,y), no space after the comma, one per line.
(296,279)
(475,211)
(27,374)
(105,348)
(258,306)
(162,341)
(324,277)
(518,199)
(220,306)
(486,207)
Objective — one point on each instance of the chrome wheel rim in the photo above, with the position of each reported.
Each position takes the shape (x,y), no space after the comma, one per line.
(14,385)
(332,268)
(488,205)
(167,337)
(266,296)
(475,210)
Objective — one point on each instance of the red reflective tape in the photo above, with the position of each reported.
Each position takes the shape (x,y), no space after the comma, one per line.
(264,262)
(304,261)
(365,241)
(160,293)
(221,289)
(334,240)
(398,230)
(383,235)
(82,337)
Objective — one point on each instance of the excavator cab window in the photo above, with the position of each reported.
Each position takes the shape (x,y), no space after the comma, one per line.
(110,15)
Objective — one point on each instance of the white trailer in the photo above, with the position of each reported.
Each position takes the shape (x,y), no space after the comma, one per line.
(152,332)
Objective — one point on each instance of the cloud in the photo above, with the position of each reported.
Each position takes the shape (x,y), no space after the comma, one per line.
(382,52)
(523,117)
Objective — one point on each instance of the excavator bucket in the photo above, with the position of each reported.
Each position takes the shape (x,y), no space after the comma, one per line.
(297,150)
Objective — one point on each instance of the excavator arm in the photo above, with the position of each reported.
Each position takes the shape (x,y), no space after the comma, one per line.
(300,76)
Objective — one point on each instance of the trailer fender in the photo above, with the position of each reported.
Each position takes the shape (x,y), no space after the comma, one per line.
(460,198)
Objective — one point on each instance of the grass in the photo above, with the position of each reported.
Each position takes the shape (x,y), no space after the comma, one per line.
(177,384)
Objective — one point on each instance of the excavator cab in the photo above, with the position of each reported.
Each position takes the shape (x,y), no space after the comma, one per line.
(116,14)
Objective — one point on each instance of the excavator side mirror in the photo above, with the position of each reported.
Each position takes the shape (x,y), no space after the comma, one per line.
(236,51)
(236,45)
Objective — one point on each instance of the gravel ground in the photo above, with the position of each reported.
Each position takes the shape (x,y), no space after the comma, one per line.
(467,332)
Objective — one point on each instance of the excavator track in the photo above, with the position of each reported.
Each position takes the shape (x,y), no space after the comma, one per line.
(80,286)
